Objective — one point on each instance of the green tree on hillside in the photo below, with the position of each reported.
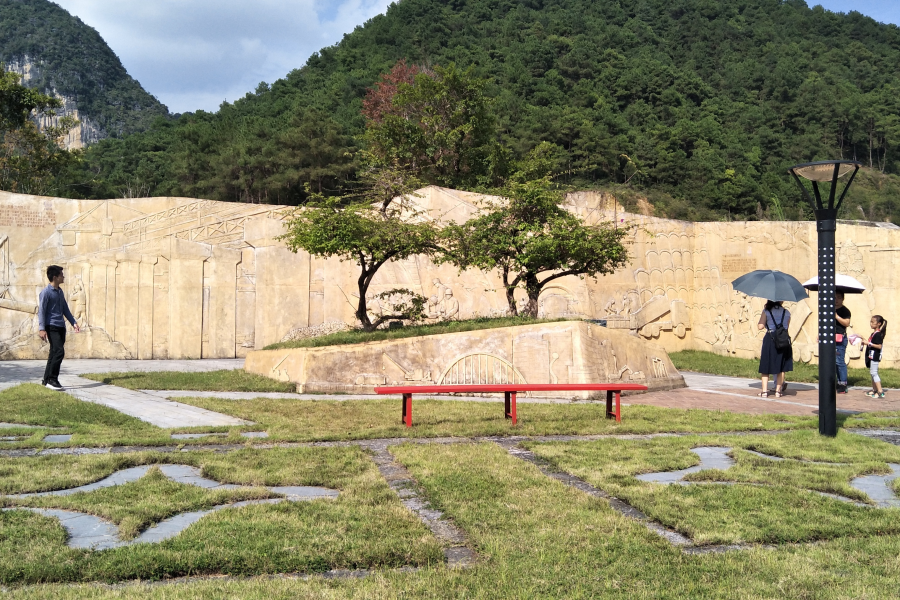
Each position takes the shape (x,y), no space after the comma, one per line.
(30,158)
(435,122)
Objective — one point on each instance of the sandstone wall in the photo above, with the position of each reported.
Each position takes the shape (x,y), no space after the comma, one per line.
(187,278)
(562,352)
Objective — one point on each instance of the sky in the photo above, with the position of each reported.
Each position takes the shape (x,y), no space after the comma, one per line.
(196,54)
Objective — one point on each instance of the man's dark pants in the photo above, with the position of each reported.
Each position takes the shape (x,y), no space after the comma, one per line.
(57,337)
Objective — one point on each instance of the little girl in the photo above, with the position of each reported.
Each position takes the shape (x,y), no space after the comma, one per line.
(873,353)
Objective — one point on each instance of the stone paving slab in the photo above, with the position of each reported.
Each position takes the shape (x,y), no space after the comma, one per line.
(146,407)
(796,402)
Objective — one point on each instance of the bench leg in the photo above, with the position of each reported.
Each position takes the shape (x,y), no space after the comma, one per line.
(511,406)
(609,405)
(506,404)
(406,416)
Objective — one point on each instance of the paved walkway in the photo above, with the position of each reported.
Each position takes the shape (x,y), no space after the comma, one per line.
(146,407)
(734,394)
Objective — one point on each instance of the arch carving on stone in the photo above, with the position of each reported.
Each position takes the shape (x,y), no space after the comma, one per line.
(482,369)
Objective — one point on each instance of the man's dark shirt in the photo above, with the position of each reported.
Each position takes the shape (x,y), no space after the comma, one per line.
(844,313)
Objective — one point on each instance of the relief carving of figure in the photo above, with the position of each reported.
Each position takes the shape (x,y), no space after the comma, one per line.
(728,340)
(746,310)
(450,306)
(439,288)
(719,329)
(78,298)
(611,307)
(433,309)
(626,305)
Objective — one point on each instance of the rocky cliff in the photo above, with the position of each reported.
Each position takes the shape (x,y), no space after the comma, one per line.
(59,55)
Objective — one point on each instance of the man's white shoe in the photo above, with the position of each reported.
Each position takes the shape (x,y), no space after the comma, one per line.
(56,387)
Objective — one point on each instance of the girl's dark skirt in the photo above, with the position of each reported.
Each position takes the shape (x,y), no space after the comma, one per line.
(773,361)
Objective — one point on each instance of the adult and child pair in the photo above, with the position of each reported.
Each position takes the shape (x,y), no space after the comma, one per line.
(780,360)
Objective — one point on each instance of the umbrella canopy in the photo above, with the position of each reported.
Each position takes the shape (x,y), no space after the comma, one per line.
(771,285)
(842,283)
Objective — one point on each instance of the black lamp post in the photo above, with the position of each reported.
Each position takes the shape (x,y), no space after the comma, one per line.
(826,224)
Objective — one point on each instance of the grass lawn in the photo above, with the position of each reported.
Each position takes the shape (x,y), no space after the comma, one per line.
(709,362)
(777,508)
(537,538)
(327,420)
(874,420)
(358,336)
(300,420)
(235,380)
(93,424)
(365,527)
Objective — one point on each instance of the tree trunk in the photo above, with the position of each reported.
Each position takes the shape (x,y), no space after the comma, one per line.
(513,310)
(533,289)
(362,312)
(511,300)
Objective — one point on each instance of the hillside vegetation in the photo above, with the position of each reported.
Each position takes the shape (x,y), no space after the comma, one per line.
(68,58)
(700,105)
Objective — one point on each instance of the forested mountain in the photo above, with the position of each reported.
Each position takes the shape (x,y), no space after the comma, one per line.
(700,104)
(59,55)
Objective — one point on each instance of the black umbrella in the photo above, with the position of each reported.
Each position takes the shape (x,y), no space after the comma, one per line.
(771,285)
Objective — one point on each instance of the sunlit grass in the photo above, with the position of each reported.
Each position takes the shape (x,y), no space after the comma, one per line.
(358,336)
(777,505)
(229,380)
(365,527)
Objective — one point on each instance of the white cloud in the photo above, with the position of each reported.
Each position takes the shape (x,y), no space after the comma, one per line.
(883,11)
(194,54)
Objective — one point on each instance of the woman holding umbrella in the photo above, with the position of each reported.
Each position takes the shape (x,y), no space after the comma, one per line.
(771,359)
(776,356)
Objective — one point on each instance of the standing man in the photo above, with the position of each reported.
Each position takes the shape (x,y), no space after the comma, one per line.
(52,310)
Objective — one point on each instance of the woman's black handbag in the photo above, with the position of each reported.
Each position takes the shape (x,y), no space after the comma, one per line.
(781,335)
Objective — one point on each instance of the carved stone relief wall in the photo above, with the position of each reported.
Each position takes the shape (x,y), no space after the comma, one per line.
(180,277)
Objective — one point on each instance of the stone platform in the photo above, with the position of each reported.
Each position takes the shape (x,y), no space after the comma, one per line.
(547,353)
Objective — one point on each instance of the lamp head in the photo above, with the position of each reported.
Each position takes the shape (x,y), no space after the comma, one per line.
(824,170)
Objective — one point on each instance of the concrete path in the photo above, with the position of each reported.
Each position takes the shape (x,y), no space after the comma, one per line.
(735,394)
(146,407)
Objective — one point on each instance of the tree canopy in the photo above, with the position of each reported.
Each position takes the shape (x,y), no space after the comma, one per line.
(532,240)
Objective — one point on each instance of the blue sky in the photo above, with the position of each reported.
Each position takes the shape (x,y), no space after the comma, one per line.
(195,54)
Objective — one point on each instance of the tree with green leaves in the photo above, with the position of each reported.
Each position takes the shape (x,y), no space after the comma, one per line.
(365,235)
(532,240)
(436,122)
(31,158)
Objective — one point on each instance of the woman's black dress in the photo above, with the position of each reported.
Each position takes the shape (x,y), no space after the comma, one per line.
(773,361)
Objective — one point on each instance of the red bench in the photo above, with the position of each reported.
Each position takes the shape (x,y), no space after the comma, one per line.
(509,391)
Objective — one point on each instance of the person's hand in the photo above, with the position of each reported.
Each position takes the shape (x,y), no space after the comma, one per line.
(76,328)
(42,334)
